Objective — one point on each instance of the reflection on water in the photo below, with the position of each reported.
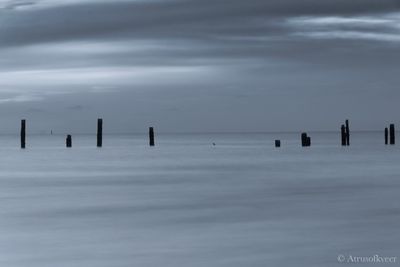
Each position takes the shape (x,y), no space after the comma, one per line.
(187,202)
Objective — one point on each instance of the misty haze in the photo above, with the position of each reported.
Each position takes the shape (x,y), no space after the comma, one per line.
(199,133)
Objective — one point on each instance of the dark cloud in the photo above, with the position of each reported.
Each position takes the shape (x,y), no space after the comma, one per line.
(243,60)
(168,19)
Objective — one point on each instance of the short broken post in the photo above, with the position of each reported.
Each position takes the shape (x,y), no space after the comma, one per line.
(68,141)
(386,136)
(343,133)
(305,140)
(277,143)
(23,133)
(151,136)
(392,134)
(99,132)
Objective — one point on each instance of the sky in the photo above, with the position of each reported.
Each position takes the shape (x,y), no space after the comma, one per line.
(199,65)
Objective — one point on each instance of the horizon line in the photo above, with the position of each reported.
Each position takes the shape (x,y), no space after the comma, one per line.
(193,132)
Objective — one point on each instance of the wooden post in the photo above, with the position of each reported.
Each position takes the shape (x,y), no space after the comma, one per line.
(68,141)
(392,134)
(304,139)
(151,136)
(308,141)
(99,132)
(277,143)
(386,136)
(344,136)
(347,133)
(23,133)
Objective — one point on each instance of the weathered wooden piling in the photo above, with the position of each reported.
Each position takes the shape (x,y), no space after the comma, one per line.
(386,136)
(305,140)
(151,136)
(277,143)
(68,141)
(392,134)
(347,133)
(99,132)
(23,133)
(344,136)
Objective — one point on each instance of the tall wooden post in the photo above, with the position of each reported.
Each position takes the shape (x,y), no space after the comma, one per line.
(386,136)
(23,133)
(151,136)
(99,132)
(344,136)
(68,141)
(392,134)
(347,133)
(304,139)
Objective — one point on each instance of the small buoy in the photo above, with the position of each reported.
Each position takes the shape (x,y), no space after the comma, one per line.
(213,144)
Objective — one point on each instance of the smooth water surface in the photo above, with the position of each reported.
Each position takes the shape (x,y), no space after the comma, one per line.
(187,202)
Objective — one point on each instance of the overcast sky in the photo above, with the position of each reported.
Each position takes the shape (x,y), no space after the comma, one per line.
(199,65)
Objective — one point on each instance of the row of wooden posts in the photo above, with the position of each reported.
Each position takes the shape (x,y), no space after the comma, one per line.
(345,136)
(305,139)
(68,140)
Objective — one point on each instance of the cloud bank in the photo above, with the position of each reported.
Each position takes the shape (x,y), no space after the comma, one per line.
(188,65)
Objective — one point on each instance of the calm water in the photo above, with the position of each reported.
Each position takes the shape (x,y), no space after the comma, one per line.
(189,203)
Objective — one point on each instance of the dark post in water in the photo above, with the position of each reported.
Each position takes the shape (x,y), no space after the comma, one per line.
(347,133)
(308,141)
(344,136)
(151,136)
(277,143)
(68,141)
(23,134)
(99,132)
(386,136)
(305,140)
(392,134)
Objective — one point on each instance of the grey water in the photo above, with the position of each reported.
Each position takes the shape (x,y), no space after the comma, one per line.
(187,202)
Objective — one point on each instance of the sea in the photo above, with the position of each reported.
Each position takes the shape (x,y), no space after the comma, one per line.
(196,200)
